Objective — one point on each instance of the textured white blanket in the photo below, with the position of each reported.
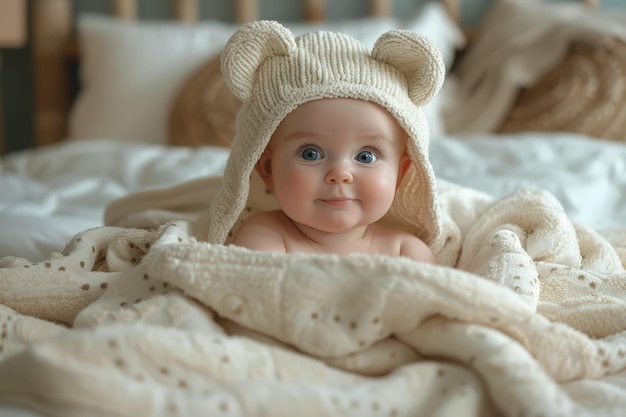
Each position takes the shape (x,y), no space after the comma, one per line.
(524,315)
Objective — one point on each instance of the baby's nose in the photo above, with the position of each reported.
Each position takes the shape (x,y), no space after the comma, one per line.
(338,174)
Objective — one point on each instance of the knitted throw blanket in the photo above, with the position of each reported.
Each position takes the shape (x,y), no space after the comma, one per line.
(524,314)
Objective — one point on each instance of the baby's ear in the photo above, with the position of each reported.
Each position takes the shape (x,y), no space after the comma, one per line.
(246,50)
(417,58)
(264,168)
(403,168)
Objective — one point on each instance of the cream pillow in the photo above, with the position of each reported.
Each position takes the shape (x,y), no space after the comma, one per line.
(130,71)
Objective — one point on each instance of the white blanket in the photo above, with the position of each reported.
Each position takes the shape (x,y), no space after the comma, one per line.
(523,315)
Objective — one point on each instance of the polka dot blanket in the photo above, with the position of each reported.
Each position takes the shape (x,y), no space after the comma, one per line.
(524,314)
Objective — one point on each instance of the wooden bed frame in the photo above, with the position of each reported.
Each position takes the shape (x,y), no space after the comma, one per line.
(54,48)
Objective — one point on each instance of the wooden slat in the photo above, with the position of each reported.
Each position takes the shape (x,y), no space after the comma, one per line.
(2,134)
(186,10)
(125,9)
(380,8)
(13,23)
(246,11)
(315,10)
(51,31)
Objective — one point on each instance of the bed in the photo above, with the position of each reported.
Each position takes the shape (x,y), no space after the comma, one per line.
(112,305)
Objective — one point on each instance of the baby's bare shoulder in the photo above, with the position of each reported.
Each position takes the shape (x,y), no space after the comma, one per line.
(261,231)
(407,243)
(415,248)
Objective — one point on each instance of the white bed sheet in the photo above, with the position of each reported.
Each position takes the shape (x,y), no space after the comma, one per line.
(48,195)
(587,175)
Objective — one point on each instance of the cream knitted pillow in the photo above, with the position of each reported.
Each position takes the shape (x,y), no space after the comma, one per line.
(585,93)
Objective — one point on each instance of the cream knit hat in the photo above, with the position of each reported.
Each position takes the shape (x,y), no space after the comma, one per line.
(272,73)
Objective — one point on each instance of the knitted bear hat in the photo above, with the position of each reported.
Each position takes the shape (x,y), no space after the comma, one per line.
(272,73)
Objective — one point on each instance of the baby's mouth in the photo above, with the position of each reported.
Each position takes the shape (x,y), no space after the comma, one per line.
(337,202)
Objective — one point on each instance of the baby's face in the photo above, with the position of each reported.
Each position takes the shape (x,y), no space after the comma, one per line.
(335,164)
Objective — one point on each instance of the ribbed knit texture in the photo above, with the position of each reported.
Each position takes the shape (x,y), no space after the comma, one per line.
(272,73)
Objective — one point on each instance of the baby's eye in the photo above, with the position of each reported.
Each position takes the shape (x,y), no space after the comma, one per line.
(366,157)
(310,154)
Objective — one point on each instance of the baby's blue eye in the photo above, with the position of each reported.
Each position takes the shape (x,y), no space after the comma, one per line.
(366,157)
(310,154)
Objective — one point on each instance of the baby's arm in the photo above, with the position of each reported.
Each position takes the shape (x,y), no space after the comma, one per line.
(260,232)
(415,248)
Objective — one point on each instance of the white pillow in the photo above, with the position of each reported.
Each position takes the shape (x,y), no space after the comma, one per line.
(434,22)
(131,71)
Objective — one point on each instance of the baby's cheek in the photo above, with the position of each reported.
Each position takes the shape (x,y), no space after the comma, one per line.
(380,187)
(295,178)
(294,185)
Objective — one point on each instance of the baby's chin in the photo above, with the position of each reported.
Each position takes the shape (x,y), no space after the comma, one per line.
(334,225)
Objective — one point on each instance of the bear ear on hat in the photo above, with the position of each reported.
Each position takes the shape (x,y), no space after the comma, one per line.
(246,50)
(417,58)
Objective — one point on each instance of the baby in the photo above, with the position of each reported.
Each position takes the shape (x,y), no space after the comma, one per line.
(337,135)
(334,166)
